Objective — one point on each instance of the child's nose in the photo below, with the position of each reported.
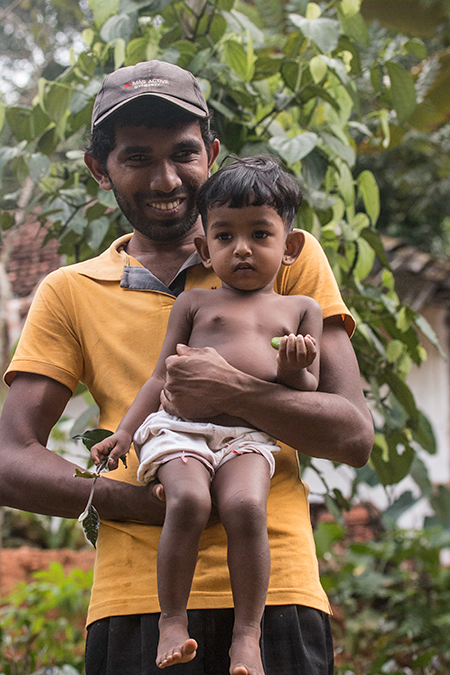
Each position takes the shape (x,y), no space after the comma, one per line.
(242,248)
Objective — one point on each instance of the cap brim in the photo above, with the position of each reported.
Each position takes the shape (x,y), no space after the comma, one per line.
(184,105)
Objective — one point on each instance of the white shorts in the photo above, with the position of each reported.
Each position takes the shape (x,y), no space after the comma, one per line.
(163,437)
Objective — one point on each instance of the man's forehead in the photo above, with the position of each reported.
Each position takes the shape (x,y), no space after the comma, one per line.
(192,127)
(182,134)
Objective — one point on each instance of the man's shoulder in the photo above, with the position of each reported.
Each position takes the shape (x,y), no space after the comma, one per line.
(107,266)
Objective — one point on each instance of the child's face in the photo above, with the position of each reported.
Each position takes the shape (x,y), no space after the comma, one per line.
(246,246)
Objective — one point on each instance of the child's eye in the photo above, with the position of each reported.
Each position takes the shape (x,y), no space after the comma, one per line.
(260,234)
(223,236)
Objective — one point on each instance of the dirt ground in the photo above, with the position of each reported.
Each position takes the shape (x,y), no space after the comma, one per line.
(18,564)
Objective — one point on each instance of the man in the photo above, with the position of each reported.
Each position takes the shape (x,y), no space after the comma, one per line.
(103,322)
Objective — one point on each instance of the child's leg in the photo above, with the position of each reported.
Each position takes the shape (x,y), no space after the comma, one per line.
(240,489)
(188,506)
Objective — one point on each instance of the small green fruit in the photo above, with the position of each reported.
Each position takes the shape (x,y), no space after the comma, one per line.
(275,342)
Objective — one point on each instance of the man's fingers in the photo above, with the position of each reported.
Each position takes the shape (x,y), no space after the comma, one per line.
(158,492)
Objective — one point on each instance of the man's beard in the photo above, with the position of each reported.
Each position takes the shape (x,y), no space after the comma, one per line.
(152,228)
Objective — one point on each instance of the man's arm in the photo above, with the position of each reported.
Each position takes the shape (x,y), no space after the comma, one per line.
(332,423)
(33,478)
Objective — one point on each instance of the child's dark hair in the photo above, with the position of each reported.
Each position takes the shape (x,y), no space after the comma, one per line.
(252,181)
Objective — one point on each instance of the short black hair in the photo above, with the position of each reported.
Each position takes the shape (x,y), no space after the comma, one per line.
(252,181)
(159,113)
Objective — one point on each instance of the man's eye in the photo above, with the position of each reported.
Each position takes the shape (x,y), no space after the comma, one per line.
(185,156)
(137,158)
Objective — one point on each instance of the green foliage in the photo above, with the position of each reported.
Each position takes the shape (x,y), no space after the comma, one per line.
(42,623)
(391,600)
(289,81)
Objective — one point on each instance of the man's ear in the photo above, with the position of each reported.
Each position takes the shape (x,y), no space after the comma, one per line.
(203,251)
(295,241)
(213,153)
(98,172)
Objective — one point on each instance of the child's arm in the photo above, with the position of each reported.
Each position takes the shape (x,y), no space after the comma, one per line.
(148,397)
(298,355)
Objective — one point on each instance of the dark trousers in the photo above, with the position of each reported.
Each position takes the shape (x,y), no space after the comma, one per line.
(295,640)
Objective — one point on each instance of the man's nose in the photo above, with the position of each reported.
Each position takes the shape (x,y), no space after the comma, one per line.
(164,177)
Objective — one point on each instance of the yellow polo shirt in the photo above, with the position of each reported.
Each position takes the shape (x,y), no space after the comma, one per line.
(102,322)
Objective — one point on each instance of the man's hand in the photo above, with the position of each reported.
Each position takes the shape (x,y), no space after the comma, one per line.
(204,372)
(33,478)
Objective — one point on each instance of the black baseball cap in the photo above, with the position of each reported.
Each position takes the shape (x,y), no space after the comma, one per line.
(149,78)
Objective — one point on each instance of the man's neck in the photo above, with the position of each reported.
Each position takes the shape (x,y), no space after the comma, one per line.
(163,259)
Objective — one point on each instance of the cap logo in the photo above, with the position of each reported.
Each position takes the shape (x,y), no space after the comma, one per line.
(152,82)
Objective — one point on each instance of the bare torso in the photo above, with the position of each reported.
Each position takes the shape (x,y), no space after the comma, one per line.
(239,326)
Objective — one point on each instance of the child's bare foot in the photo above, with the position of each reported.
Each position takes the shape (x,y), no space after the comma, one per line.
(245,654)
(175,645)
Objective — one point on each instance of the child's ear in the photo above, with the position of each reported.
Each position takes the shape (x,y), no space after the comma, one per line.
(295,241)
(203,251)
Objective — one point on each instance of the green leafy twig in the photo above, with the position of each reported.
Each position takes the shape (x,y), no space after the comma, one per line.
(89,519)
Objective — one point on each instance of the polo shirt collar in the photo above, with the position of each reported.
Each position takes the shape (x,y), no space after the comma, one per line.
(115,264)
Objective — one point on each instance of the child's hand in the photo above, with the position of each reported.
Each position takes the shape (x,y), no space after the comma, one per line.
(296,352)
(114,446)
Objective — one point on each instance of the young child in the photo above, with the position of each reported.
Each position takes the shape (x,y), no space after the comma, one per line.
(248,211)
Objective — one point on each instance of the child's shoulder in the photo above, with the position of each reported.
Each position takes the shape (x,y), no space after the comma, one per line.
(303,301)
(194,296)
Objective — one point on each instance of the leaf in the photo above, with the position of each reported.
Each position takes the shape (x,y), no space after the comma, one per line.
(56,100)
(84,474)
(92,436)
(345,152)
(235,56)
(373,238)
(323,32)
(423,325)
(318,68)
(345,184)
(404,502)
(6,155)
(119,26)
(403,93)
(90,521)
(365,259)
(394,350)
(325,535)
(103,9)
(18,120)
(391,469)
(423,433)
(39,166)
(355,27)
(7,220)
(294,149)
(368,189)
(85,419)
(403,394)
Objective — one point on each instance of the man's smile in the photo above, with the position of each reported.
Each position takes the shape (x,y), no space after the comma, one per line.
(165,206)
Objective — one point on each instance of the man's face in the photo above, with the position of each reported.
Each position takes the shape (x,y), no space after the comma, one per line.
(155,174)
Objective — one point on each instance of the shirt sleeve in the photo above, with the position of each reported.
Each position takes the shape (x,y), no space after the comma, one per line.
(49,345)
(312,275)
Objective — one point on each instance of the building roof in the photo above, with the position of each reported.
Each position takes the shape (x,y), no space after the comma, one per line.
(420,277)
